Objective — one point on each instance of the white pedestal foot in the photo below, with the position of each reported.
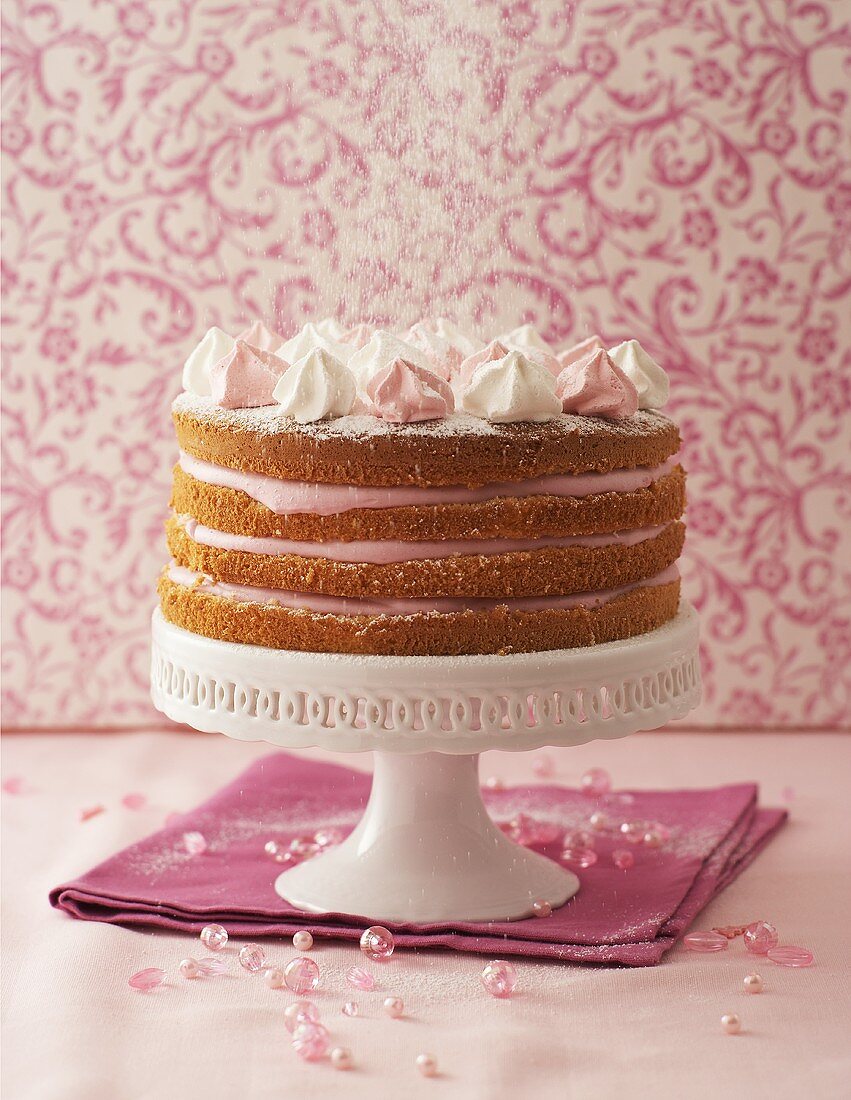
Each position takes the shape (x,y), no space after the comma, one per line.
(425,850)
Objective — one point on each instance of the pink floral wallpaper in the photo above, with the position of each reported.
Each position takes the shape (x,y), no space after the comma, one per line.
(672,170)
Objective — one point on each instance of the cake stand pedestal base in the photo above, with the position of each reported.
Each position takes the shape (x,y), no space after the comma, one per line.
(426,850)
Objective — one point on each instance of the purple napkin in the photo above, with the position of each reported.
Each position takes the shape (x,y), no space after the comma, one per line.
(628,917)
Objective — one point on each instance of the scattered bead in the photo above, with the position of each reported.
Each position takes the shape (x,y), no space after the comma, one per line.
(273,849)
(146,980)
(731,1023)
(394,1007)
(303,847)
(653,839)
(632,831)
(377,943)
(705,942)
(360,979)
(760,937)
(213,965)
(300,1012)
(595,783)
(301,975)
(350,1008)
(328,837)
(579,857)
(499,978)
(189,968)
(752,983)
(195,843)
(524,829)
(598,821)
(427,1065)
(214,937)
(134,801)
(310,1041)
(273,976)
(663,832)
(730,931)
(790,956)
(302,941)
(579,838)
(494,783)
(341,1058)
(622,859)
(542,908)
(252,957)
(543,766)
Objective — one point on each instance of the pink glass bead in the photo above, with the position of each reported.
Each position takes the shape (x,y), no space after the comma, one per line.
(134,801)
(360,979)
(300,1012)
(146,980)
(350,1008)
(273,976)
(543,766)
(303,847)
(752,983)
(705,942)
(273,849)
(499,978)
(377,943)
(341,1058)
(214,937)
(662,831)
(579,838)
(189,968)
(632,831)
(788,955)
(212,965)
(542,908)
(302,941)
(622,859)
(195,843)
(494,783)
(731,1023)
(760,937)
(252,957)
(579,857)
(310,1041)
(394,1007)
(598,822)
(328,837)
(595,783)
(301,975)
(427,1065)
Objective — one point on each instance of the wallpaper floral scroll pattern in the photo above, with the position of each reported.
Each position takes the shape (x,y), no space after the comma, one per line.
(665,169)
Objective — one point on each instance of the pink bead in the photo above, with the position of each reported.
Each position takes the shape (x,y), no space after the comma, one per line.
(543,766)
(427,1065)
(731,1023)
(273,849)
(787,955)
(310,1042)
(653,839)
(301,975)
(705,942)
(598,821)
(377,943)
(302,941)
(328,837)
(579,838)
(499,978)
(622,859)
(760,937)
(494,783)
(134,801)
(350,1008)
(212,965)
(195,843)
(214,937)
(341,1058)
(146,980)
(360,979)
(632,831)
(542,908)
(662,831)
(273,976)
(189,968)
(752,983)
(303,847)
(300,1012)
(252,957)
(595,783)
(394,1007)
(579,857)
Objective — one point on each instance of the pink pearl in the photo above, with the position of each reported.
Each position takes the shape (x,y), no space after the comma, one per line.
(310,1041)
(494,783)
(189,968)
(303,847)
(360,979)
(622,859)
(394,1007)
(273,849)
(328,837)
(752,983)
(302,941)
(579,838)
(300,1012)
(146,980)
(377,943)
(427,1065)
(214,937)
(273,976)
(731,1023)
(350,1008)
(252,957)
(499,978)
(212,965)
(543,766)
(195,843)
(790,956)
(341,1058)
(632,831)
(705,942)
(542,908)
(760,937)
(301,975)
(598,821)
(579,857)
(595,783)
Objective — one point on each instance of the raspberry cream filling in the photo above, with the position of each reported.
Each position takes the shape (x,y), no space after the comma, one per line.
(321,499)
(385,551)
(344,605)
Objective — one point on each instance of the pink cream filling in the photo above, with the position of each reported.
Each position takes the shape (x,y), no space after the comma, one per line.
(317,498)
(342,605)
(384,551)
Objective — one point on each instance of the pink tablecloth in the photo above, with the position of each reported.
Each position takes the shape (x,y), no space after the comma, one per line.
(74,1031)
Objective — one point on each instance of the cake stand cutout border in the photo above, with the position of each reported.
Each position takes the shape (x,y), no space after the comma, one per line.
(425,849)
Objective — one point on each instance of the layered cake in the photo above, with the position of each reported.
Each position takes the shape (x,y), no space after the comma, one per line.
(426,492)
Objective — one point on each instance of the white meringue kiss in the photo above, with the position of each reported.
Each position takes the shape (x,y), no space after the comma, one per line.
(644,373)
(511,389)
(311,338)
(465,342)
(379,353)
(316,387)
(526,336)
(215,345)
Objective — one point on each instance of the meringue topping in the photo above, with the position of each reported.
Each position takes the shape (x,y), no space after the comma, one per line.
(489,354)
(511,389)
(316,387)
(527,339)
(311,338)
(595,386)
(644,373)
(357,335)
(215,345)
(402,392)
(444,357)
(465,342)
(246,377)
(580,350)
(258,336)
(382,348)
(331,329)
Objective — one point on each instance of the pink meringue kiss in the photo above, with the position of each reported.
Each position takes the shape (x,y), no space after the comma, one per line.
(595,386)
(246,377)
(580,350)
(490,354)
(358,336)
(445,359)
(402,393)
(258,336)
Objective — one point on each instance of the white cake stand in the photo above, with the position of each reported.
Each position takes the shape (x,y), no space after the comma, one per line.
(425,849)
